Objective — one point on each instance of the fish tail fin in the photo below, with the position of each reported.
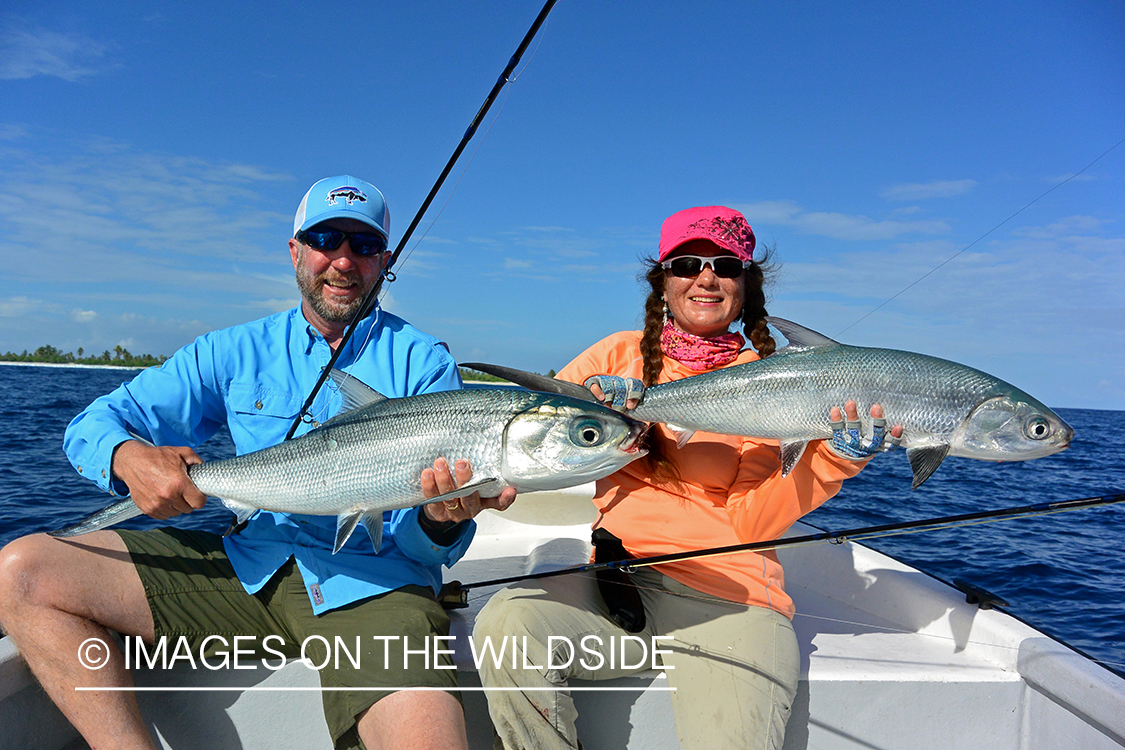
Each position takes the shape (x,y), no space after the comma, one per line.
(115,513)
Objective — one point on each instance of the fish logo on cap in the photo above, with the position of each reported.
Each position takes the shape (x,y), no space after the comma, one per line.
(348,193)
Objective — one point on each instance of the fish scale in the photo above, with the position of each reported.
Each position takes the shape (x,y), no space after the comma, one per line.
(924,394)
(346,458)
(370,459)
(945,409)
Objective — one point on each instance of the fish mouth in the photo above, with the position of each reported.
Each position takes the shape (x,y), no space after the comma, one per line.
(1065,434)
(633,443)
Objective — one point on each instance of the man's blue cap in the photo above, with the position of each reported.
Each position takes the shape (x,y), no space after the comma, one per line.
(343,197)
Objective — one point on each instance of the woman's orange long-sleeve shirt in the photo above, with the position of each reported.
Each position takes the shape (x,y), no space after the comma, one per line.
(730,492)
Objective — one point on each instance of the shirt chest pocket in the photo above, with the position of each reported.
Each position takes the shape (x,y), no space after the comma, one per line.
(259,417)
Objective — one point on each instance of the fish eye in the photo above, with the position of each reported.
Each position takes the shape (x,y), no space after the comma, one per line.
(586,432)
(1037,428)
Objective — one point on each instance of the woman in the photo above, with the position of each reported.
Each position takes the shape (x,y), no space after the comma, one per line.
(732,655)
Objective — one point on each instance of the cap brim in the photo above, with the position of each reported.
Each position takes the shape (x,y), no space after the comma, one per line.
(342,213)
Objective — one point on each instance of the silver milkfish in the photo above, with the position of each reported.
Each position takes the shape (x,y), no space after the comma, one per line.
(369,459)
(946,409)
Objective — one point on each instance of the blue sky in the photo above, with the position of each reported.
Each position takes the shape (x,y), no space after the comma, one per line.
(151,159)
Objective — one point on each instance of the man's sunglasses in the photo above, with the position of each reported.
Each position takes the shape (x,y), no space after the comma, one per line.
(326,238)
(690,266)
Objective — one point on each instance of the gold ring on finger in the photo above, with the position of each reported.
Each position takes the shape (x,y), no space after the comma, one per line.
(453,505)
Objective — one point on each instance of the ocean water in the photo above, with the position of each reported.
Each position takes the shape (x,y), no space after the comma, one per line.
(1062,573)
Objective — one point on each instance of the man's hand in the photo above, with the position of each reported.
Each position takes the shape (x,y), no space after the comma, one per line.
(157,478)
(442,479)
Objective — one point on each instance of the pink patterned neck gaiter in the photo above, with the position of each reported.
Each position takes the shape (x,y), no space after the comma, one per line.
(697,352)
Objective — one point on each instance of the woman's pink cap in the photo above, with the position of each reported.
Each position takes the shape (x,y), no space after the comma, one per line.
(724,226)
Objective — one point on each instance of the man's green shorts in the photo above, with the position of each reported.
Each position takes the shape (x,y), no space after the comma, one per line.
(193,591)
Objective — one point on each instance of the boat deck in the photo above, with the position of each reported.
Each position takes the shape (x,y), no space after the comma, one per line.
(891,658)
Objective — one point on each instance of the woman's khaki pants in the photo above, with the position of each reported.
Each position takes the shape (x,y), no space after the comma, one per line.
(734,667)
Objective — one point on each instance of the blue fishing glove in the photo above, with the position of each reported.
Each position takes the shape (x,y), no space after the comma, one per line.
(846,441)
(617,390)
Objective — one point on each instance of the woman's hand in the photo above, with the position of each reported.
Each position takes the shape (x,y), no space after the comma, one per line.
(616,392)
(846,440)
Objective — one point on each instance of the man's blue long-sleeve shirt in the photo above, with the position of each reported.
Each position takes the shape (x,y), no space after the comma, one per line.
(254,378)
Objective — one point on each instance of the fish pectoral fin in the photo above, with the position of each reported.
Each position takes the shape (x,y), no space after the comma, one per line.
(241,513)
(486,486)
(115,513)
(790,454)
(133,434)
(682,434)
(345,525)
(924,462)
(373,522)
(355,392)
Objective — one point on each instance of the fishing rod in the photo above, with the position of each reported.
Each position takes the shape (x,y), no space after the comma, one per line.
(455,593)
(369,301)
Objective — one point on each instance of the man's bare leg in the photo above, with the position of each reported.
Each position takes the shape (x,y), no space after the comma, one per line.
(426,720)
(56,595)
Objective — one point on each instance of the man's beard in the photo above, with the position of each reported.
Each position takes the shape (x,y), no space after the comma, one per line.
(312,289)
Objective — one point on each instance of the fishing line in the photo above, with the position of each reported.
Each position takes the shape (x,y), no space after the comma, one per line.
(978,239)
(457,184)
(511,79)
(372,296)
(820,537)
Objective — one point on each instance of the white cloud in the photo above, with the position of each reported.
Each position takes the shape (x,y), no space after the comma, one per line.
(837,225)
(1065,227)
(106,209)
(914,191)
(1070,178)
(15,307)
(26,53)
(196,240)
(845,227)
(10,132)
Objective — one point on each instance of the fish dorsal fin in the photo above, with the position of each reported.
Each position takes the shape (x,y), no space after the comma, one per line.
(925,461)
(798,336)
(533,381)
(356,393)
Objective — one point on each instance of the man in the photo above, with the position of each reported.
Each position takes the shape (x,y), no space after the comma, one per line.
(277,576)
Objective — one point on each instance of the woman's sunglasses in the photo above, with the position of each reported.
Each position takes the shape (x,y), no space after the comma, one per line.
(690,266)
(326,238)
